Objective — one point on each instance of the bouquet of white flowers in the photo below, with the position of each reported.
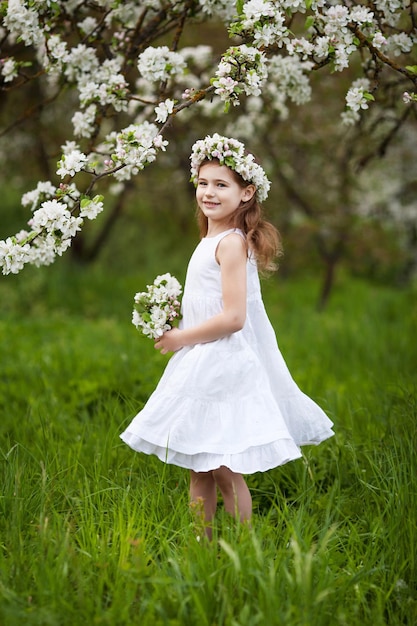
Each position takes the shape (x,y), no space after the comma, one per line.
(156,309)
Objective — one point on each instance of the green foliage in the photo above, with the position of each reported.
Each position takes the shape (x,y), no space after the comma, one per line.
(92,533)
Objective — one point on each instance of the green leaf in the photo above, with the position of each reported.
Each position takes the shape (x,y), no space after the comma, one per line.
(411,68)
(3,8)
(235,29)
(368,96)
(239,7)
(309,22)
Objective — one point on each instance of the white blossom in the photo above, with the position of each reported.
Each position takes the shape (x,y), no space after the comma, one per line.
(289,76)
(106,85)
(156,309)
(379,41)
(391,10)
(361,15)
(23,22)
(43,250)
(321,47)
(222,9)
(127,13)
(243,126)
(336,19)
(253,82)
(409,97)
(267,35)
(71,163)
(57,51)
(198,56)
(157,64)
(163,110)
(265,20)
(225,87)
(54,216)
(91,207)
(302,47)
(135,147)
(356,96)
(69,194)
(81,61)
(356,100)
(349,117)
(87,25)
(241,69)
(399,43)
(83,121)
(61,245)
(255,10)
(13,256)
(9,69)
(159,319)
(44,191)
(170,284)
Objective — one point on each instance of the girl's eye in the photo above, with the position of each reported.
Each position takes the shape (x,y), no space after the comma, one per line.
(204,183)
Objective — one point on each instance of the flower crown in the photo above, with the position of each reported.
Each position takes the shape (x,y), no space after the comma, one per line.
(230,152)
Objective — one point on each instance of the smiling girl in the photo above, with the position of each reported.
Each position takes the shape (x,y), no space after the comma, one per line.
(226,404)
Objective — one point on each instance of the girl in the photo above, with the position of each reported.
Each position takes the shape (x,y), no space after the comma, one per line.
(226,404)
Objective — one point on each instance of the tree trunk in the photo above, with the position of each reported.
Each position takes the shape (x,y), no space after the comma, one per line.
(328,281)
(86,254)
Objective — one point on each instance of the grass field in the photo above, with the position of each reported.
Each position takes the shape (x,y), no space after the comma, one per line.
(93,534)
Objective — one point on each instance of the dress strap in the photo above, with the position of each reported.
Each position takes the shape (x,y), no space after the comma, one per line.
(220,236)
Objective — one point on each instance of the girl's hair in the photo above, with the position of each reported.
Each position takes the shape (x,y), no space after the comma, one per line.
(261,236)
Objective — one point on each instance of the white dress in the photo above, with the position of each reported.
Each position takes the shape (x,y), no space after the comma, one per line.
(231,401)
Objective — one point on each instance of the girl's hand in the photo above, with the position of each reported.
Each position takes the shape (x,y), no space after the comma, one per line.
(169,341)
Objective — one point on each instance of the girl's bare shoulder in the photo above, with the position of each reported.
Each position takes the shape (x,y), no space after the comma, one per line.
(232,245)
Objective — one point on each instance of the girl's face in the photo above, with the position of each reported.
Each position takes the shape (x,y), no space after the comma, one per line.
(219,194)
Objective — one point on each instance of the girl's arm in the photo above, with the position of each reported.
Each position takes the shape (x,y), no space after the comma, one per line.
(231,255)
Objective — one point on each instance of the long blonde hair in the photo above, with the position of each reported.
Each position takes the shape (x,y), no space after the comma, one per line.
(262,238)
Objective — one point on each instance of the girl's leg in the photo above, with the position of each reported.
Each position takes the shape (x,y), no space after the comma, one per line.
(203,497)
(235,492)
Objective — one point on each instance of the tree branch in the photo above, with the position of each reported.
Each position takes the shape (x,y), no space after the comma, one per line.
(381,56)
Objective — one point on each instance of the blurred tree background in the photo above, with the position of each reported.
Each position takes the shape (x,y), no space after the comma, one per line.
(344,198)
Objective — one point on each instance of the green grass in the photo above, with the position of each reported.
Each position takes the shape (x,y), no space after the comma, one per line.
(92,533)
